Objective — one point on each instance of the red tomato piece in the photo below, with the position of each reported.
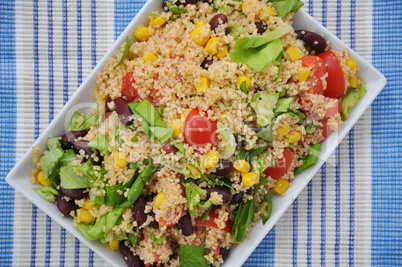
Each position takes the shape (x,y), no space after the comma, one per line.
(281,167)
(129,91)
(314,81)
(335,80)
(199,130)
(106,115)
(213,214)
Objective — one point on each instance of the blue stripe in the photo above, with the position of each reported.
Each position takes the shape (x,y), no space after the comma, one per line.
(295,232)
(386,137)
(79,67)
(337,204)
(8,124)
(311,7)
(351,151)
(309,220)
(36,126)
(264,254)
(93,49)
(65,99)
(323,177)
(323,213)
(51,114)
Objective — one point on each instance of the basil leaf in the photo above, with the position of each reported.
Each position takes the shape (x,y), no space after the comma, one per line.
(243,219)
(69,179)
(117,134)
(283,105)
(47,192)
(310,158)
(350,99)
(206,213)
(192,256)
(96,230)
(133,238)
(193,195)
(282,93)
(115,194)
(243,87)
(297,113)
(125,52)
(112,217)
(279,59)
(312,126)
(151,120)
(100,142)
(80,122)
(267,198)
(263,181)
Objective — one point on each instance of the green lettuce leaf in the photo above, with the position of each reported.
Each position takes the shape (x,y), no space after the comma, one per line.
(284,7)
(259,40)
(228,140)
(69,179)
(47,192)
(310,158)
(100,142)
(115,194)
(350,99)
(192,256)
(283,105)
(80,122)
(265,103)
(50,161)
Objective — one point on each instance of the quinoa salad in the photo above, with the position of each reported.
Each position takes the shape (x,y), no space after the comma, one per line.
(211,110)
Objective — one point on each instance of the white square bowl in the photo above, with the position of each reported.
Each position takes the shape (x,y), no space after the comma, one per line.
(18,177)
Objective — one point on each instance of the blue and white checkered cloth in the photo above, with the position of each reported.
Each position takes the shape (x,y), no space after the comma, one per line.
(350,214)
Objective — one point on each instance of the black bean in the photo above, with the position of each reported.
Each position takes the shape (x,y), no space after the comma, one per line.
(225,253)
(316,42)
(154,224)
(225,167)
(239,140)
(174,256)
(185,225)
(261,28)
(221,190)
(123,110)
(208,1)
(186,2)
(217,20)
(107,108)
(139,210)
(169,148)
(131,259)
(237,198)
(64,206)
(206,63)
(75,193)
(83,145)
(68,139)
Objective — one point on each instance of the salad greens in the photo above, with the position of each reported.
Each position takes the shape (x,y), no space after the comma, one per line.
(82,176)
(100,142)
(258,52)
(192,256)
(243,219)
(115,194)
(267,199)
(284,7)
(310,158)
(352,96)
(264,106)
(193,195)
(228,140)
(48,193)
(81,122)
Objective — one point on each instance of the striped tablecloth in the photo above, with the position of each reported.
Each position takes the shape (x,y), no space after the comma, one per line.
(350,214)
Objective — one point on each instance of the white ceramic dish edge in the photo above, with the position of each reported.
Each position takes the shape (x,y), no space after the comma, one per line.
(18,177)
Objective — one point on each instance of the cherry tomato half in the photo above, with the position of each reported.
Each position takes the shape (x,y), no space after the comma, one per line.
(213,214)
(281,167)
(199,130)
(314,81)
(129,91)
(335,80)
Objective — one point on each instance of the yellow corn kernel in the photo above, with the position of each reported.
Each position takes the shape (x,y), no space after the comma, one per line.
(120,159)
(243,5)
(159,199)
(185,113)
(176,126)
(304,74)
(281,186)
(271,11)
(200,23)
(149,57)
(222,53)
(243,78)
(89,204)
(210,159)
(351,63)
(201,85)
(213,45)
(282,131)
(353,81)
(114,245)
(293,53)
(250,179)
(201,34)
(142,33)
(242,165)
(42,180)
(293,138)
(85,216)
(157,22)
(222,116)
(194,171)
